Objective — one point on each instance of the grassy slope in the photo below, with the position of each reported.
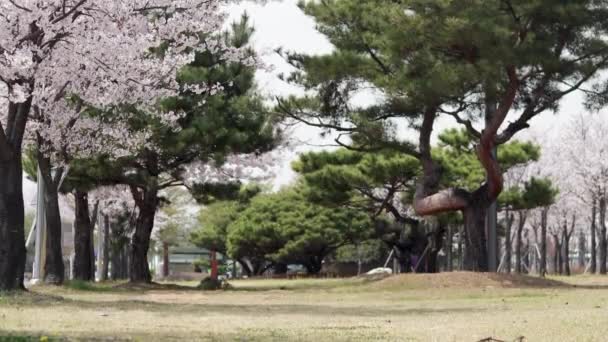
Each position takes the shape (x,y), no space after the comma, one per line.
(453,308)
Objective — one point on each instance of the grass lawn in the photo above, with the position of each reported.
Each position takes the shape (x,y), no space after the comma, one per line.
(445,307)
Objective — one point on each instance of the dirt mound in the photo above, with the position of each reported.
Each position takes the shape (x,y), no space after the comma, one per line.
(466,280)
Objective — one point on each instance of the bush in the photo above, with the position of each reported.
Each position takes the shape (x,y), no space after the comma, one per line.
(210,284)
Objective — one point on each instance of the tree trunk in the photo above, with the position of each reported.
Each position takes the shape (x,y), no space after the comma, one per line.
(105,264)
(115,261)
(436,241)
(147,203)
(543,242)
(82,269)
(566,250)
(12,236)
(602,235)
(448,248)
(476,251)
(526,257)
(459,246)
(165,273)
(593,246)
(508,242)
(582,251)
(54,271)
(245,267)
(519,242)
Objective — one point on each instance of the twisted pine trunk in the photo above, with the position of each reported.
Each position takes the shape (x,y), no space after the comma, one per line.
(476,251)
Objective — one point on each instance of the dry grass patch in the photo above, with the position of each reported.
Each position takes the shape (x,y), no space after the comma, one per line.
(444,307)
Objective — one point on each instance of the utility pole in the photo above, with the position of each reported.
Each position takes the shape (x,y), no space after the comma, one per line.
(492,213)
(38,268)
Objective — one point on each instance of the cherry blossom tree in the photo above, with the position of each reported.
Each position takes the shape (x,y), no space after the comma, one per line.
(105,52)
(580,161)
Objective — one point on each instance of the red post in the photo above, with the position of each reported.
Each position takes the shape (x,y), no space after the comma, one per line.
(213,265)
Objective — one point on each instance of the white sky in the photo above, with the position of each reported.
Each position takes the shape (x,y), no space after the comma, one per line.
(282,24)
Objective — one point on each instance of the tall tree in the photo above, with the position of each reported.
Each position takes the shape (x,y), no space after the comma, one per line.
(211,127)
(442,58)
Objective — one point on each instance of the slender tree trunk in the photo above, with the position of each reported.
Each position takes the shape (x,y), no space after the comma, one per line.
(603,235)
(54,270)
(508,242)
(556,253)
(432,265)
(115,262)
(82,269)
(147,203)
(448,248)
(526,257)
(593,246)
(519,242)
(543,242)
(106,249)
(460,251)
(165,260)
(582,251)
(566,250)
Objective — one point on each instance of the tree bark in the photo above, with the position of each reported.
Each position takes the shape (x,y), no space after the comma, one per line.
(12,236)
(543,242)
(165,260)
(476,251)
(519,242)
(557,253)
(582,250)
(83,231)
(508,242)
(147,202)
(54,270)
(105,249)
(593,246)
(566,249)
(460,251)
(448,246)
(436,241)
(603,242)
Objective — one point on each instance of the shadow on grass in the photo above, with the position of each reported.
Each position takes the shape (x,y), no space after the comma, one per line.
(37,300)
